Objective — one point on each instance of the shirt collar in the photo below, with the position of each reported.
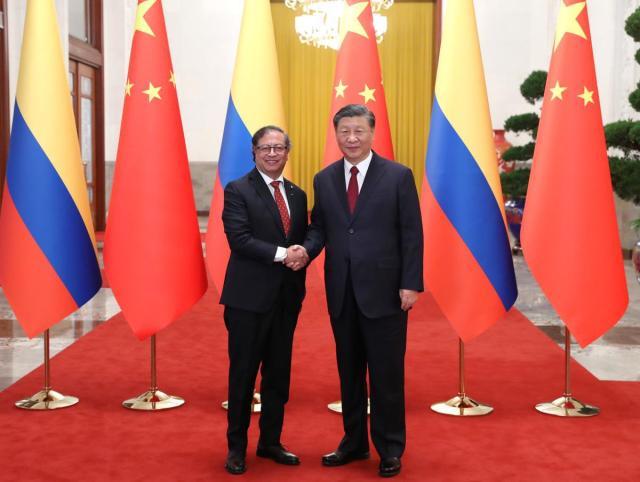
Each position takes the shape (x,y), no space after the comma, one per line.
(268,180)
(362,166)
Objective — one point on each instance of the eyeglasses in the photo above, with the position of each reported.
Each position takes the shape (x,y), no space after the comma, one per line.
(266,149)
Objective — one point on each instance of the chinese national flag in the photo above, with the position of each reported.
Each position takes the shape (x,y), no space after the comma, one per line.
(358,79)
(569,231)
(152,252)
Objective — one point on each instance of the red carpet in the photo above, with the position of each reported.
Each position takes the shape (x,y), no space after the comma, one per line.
(513,366)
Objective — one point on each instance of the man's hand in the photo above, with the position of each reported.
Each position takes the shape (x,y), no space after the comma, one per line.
(407,299)
(297,257)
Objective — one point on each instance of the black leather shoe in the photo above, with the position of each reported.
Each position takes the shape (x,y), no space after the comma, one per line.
(235,464)
(278,454)
(334,459)
(390,467)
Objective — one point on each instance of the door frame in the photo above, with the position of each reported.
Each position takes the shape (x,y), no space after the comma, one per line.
(90,53)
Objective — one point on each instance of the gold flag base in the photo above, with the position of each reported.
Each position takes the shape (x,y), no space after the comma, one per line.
(462,406)
(256,404)
(337,406)
(153,400)
(567,406)
(47,399)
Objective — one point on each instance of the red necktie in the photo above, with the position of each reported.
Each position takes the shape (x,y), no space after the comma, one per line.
(352,189)
(282,207)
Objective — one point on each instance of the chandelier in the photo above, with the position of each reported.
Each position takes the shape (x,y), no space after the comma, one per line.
(319,22)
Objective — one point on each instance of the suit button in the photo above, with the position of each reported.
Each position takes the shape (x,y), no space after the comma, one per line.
(351,231)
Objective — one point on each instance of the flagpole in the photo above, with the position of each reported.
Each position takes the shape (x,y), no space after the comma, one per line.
(566,405)
(461,405)
(153,399)
(47,399)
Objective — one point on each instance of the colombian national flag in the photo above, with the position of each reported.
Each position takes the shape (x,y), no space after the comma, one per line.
(255,101)
(468,264)
(48,263)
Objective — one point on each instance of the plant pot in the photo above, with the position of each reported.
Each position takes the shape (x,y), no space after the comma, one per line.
(514,208)
(502,145)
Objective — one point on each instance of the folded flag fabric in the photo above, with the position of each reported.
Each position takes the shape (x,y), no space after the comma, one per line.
(569,231)
(48,261)
(467,259)
(152,249)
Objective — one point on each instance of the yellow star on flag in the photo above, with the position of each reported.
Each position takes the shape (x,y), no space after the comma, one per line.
(340,88)
(172,78)
(127,87)
(349,20)
(367,94)
(557,91)
(587,96)
(141,23)
(153,92)
(568,21)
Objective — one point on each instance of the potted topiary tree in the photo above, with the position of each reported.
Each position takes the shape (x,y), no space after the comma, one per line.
(515,182)
(624,137)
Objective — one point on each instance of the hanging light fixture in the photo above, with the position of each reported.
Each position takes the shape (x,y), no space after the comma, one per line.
(318,24)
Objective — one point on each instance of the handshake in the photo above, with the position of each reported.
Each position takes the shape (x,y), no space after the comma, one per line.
(297,257)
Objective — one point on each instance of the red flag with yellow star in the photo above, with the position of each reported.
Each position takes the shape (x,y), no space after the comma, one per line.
(152,250)
(358,79)
(569,231)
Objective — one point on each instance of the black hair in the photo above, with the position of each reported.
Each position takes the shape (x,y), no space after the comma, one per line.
(354,110)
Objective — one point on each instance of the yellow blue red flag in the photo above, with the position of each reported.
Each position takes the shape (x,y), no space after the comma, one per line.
(255,101)
(468,263)
(48,262)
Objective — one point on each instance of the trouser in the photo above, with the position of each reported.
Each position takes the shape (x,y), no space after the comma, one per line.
(256,340)
(378,344)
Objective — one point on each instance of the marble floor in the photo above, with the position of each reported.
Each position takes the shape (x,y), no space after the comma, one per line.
(615,356)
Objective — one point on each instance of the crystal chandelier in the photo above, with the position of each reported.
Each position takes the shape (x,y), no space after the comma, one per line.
(319,22)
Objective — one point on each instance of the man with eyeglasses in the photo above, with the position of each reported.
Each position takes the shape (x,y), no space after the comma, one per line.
(367,218)
(263,216)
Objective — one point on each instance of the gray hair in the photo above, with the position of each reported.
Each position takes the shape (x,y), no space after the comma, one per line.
(260,133)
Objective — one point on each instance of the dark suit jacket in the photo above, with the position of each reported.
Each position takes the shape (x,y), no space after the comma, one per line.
(254,230)
(380,244)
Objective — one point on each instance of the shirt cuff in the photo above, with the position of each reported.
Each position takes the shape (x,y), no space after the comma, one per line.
(281,255)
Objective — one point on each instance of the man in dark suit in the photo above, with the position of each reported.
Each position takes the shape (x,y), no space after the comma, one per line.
(367,217)
(264,214)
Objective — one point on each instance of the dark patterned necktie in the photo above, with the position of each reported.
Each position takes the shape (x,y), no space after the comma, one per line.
(282,207)
(352,189)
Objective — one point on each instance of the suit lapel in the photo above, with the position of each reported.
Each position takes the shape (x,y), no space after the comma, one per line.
(374,174)
(265,193)
(340,186)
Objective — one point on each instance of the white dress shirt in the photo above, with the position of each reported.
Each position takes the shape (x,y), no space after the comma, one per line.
(363,167)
